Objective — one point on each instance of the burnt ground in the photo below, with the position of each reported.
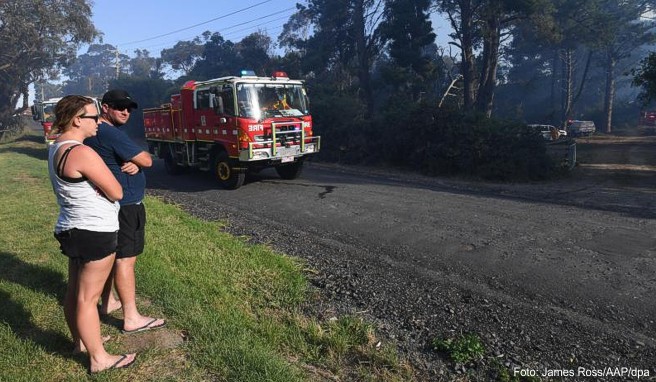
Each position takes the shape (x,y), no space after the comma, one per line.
(553,277)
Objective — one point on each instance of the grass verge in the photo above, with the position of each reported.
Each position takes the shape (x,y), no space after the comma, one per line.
(234,310)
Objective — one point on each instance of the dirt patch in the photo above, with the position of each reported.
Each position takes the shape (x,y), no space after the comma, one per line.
(163,338)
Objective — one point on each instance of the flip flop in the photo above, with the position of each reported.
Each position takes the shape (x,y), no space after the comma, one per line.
(145,327)
(115,365)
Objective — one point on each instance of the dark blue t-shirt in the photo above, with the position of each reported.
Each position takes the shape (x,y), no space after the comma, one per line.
(115,148)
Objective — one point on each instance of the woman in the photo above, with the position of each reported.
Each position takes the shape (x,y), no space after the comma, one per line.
(87,194)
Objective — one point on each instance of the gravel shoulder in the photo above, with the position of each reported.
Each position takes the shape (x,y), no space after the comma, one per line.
(551,276)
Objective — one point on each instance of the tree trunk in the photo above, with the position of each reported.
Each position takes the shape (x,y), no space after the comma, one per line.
(363,57)
(467,51)
(566,106)
(553,95)
(610,93)
(491,43)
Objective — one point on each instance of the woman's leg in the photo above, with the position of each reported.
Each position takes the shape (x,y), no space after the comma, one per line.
(91,279)
(70,302)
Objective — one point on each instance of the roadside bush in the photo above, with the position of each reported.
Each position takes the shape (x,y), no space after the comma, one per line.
(345,133)
(417,136)
(451,143)
(490,149)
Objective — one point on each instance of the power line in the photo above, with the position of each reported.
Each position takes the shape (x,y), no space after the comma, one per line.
(236,32)
(199,24)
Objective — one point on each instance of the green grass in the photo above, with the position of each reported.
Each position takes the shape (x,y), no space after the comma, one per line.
(239,306)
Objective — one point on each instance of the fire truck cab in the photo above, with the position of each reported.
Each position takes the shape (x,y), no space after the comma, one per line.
(231,125)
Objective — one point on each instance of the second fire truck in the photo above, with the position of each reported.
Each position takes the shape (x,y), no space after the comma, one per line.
(232,125)
(44,112)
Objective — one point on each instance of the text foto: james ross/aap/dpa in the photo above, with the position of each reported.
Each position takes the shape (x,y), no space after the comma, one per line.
(631,372)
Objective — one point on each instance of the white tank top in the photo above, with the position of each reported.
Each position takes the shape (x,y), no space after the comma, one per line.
(81,204)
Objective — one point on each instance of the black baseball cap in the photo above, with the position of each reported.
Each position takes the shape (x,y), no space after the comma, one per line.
(119,98)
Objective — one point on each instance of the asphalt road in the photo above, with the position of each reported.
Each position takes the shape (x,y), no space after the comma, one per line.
(549,274)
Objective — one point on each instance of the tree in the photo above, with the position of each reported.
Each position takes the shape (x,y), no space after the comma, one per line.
(253,50)
(144,66)
(483,23)
(294,33)
(621,33)
(91,72)
(461,15)
(409,33)
(35,36)
(218,59)
(345,43)
(645,77)
(183,55)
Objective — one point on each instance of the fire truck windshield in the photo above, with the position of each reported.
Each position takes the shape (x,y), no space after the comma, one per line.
(48,112)
(260,101)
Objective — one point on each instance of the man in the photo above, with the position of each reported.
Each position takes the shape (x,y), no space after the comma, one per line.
(125,159)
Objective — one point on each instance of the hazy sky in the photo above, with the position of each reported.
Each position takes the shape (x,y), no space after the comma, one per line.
(158,24)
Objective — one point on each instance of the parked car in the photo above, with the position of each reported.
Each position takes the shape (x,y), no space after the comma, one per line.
(578,128)
(549,132)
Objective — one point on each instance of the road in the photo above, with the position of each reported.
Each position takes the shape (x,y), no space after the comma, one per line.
(552,274)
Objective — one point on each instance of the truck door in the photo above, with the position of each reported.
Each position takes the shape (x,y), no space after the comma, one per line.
(226,117)
(202,115)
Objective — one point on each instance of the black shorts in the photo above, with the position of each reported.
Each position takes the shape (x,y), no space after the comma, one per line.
(131,233)
(85,246)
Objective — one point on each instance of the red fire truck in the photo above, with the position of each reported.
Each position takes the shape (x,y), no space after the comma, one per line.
(232,125)
(44,112)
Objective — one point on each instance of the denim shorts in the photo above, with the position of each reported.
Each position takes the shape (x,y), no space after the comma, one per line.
(84,246)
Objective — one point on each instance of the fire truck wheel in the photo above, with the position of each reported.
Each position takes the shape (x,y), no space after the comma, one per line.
(290,171)
(225,174)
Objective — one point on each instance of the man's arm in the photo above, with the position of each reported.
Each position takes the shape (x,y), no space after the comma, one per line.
(143,159)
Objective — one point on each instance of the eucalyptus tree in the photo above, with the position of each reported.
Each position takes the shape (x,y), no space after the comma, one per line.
(255,52)
(622,28)
(183,55)
(219,58)
(142,65)
(90,72)
(345,42)
(36,36)
(483,24)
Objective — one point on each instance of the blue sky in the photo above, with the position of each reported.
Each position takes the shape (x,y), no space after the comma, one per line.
(158,24)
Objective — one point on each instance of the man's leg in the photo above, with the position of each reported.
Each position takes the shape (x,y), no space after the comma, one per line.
(108,300)
(126,288)
(132,221)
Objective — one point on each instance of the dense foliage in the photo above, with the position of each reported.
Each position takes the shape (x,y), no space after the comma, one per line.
(37,36)
(418,136)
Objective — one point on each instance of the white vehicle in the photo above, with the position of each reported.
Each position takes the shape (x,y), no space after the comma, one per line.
(581,128)
(549,132)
